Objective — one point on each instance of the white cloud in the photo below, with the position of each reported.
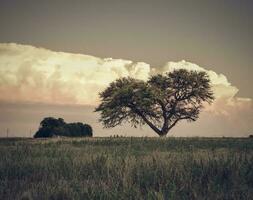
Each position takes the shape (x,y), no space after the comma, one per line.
(226,101)
(30,74)
(35,74)
(39,75)
(221,86)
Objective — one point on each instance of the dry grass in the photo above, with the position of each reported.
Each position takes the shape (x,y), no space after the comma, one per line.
(126,168)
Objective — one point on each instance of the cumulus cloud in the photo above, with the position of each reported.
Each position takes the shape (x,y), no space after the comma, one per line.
(33,74)
(221,86)
(37,75)
(226,102)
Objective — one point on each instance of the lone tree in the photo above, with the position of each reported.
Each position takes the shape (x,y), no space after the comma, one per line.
(160,102)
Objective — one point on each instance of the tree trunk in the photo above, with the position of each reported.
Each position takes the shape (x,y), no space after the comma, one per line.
(163,133)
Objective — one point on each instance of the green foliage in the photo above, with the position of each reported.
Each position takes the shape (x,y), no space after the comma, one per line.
(160,102)
(126,168)
(57,127)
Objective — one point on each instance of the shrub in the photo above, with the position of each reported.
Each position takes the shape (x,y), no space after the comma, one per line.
(50,126)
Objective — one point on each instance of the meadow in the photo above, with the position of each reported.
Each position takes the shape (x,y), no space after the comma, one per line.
(126,168)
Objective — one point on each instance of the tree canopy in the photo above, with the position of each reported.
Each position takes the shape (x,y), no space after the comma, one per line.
(160,102)
(50,126)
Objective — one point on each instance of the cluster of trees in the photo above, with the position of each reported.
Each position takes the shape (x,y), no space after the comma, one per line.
(160,102)
(50,127)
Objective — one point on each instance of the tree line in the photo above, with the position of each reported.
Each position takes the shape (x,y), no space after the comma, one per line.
(160,102)
(50,127)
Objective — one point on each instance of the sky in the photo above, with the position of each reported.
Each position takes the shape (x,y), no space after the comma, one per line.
(56,56)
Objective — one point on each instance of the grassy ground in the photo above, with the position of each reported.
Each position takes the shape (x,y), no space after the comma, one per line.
(126,168)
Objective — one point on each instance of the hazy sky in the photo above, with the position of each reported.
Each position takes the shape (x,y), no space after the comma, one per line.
(213,33)
(146,35)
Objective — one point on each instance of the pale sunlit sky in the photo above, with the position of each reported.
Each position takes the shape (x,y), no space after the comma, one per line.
(56,56)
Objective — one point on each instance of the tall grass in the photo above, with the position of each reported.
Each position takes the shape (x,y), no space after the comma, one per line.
(126,168)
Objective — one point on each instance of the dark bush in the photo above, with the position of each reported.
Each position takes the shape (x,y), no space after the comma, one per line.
(50,127)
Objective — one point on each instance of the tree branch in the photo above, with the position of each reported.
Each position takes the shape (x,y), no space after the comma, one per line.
(150,124)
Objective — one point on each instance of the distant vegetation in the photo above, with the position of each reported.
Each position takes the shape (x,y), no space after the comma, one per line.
(126,168)
(50,127)
(161,102)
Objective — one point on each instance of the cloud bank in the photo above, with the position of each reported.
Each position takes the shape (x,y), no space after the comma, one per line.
(36,75)
(33,74)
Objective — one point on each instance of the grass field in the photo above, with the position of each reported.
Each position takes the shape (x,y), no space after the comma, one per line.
(126,168)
